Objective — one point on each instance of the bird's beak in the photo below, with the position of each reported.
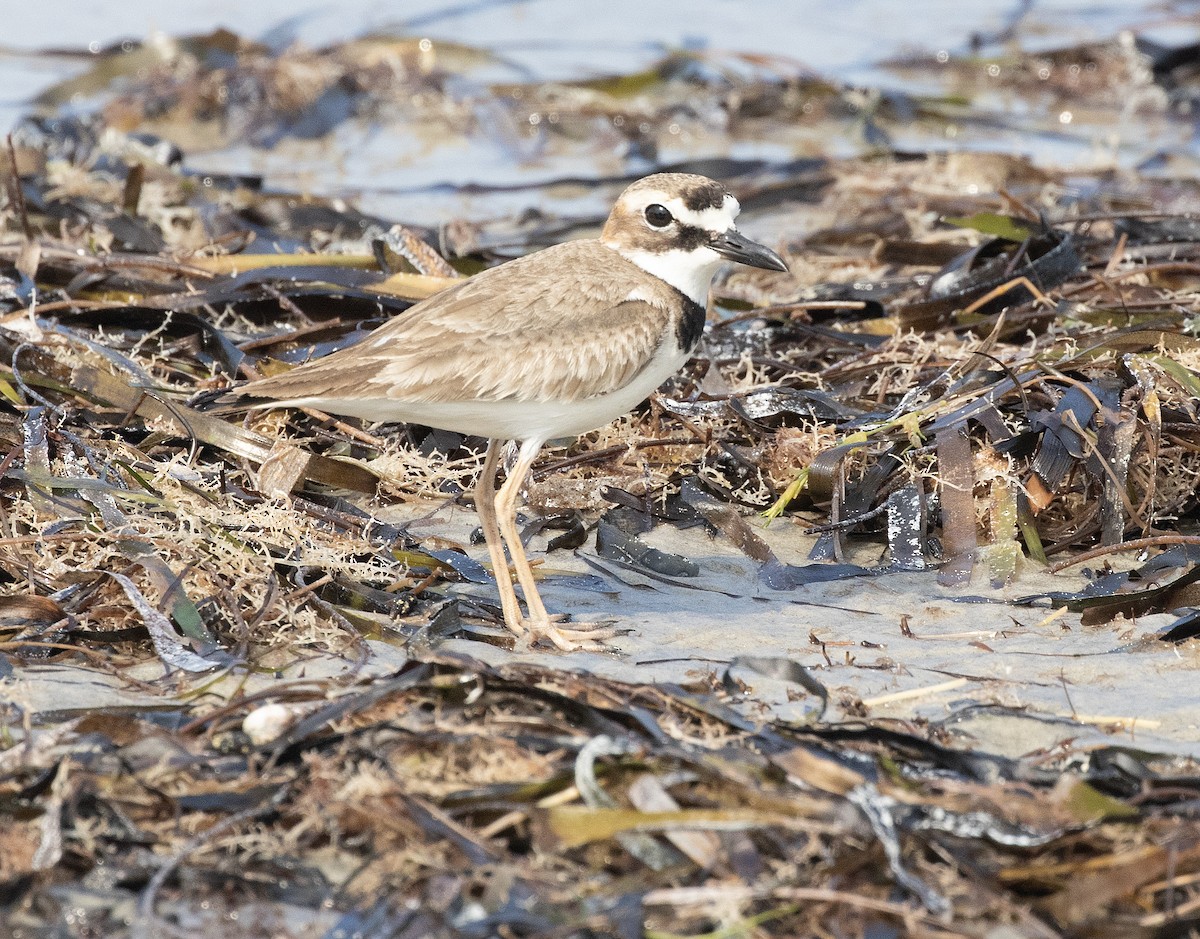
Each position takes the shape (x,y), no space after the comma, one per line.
(735,246)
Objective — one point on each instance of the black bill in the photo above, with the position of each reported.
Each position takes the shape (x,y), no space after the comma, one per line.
(734,245)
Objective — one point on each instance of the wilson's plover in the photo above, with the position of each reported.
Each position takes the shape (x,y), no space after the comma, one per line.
(551,345)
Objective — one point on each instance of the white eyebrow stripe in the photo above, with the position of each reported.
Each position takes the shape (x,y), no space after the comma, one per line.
(718,219)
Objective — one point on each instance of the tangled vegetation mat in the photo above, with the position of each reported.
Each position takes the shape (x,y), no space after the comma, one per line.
(248,684)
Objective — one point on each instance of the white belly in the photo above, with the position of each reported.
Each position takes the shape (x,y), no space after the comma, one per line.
(512,419)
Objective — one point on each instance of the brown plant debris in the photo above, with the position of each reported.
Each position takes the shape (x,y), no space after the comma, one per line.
(977,365)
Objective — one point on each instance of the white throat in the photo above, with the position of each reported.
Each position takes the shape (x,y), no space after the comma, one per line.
(689,272)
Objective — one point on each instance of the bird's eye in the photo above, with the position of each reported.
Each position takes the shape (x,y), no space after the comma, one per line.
(658,215)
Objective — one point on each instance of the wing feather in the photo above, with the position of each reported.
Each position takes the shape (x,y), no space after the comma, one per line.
(548,329)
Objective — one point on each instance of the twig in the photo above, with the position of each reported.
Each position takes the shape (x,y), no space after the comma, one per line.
(1156,541)
(695,896)
(914,693)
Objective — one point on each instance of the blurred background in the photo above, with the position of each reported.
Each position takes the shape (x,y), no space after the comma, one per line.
(433,109)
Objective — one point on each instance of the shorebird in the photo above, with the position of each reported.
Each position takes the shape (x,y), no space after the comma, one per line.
(553,344)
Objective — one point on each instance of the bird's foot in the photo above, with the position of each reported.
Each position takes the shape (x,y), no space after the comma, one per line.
(578,637)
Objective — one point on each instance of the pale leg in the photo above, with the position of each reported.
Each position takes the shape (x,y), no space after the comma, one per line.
(539,622)
(485,507)
(506,511)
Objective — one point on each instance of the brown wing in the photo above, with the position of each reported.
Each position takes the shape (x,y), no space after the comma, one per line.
(542,327)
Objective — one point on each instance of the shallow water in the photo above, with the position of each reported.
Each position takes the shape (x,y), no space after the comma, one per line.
(552,39)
